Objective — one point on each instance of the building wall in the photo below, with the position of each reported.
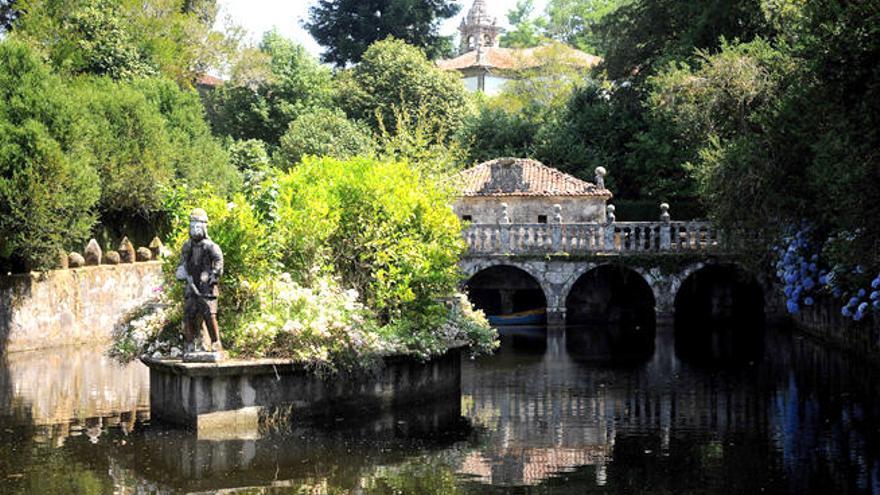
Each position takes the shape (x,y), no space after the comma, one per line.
(75,306)
(526,209)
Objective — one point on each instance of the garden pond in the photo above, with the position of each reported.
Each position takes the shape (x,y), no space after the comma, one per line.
(543,415)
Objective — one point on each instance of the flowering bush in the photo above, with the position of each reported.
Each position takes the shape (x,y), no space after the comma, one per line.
(799,267)
(146,329)
(357,259)
(324,327)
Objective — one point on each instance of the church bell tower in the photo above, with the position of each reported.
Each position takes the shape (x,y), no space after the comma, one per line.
(478,29)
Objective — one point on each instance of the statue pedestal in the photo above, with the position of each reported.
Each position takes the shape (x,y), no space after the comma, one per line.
(238,395)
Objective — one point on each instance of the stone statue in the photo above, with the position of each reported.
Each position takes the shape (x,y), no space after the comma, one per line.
(201,265)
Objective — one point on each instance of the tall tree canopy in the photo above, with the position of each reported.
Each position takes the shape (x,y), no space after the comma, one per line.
(642,36)
(126,38)
(283,82)
(345,28)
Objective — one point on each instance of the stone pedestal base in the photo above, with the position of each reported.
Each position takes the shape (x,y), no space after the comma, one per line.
(240,395)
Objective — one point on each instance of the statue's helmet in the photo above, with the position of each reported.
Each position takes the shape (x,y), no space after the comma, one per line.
(198,215)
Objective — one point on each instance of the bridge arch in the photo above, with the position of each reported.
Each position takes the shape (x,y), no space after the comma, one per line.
(502,289)
(611,313)
(719,314)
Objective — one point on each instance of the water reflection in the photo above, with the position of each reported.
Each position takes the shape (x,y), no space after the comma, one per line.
(552,412)
(72,391)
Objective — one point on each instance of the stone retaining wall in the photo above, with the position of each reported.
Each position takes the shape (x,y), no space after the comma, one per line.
(72,306)
(824,321)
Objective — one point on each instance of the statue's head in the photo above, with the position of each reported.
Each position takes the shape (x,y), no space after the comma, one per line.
(198,225)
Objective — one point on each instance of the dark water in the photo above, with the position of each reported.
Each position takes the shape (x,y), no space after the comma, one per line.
(562,414)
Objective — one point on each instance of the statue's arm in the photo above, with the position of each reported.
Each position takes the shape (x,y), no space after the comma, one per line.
(181,274)
(216,263)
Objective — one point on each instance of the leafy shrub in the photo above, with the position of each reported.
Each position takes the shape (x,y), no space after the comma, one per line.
(393,74)
(379,228)
(48,189)
(322,133)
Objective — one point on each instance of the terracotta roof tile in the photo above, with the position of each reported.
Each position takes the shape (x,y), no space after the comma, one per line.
(522,177)
(209,80)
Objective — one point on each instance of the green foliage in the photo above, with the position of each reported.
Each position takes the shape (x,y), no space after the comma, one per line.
(197,158)
(421,141)
(642,36)
(142,135)
(294,85)
(393,77)
(575,21)
(248,155)
(126,38)
(494,131)
(797,115)
(322,133)
(376,225)
(526,30)
(47,185)
(346,28)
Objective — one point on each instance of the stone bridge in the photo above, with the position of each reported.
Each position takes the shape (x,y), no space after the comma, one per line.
(578,266)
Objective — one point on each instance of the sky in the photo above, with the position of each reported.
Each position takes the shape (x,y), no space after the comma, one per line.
(259,16)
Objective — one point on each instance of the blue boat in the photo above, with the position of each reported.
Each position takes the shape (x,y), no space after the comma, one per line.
(530,317)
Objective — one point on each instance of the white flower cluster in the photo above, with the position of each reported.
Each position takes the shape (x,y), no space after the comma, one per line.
(137,331)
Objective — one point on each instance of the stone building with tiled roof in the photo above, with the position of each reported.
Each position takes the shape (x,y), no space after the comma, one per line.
(529,191)
(485,66)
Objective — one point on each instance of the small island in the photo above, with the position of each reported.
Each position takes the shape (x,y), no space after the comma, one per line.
(344,292)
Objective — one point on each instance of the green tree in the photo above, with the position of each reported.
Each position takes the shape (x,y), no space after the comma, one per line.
(642,36)
(322,133)
(526,30)
(294,84)
(346,28)
(127,38)
(145,134)
(48,189)
(396,77)
(575,21)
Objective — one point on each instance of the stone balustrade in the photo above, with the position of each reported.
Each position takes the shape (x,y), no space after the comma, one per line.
(592,238)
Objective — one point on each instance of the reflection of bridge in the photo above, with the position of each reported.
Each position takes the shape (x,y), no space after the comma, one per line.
(556,256)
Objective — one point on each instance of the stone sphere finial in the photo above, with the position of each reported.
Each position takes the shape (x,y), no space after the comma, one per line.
(664,212)
(505,217)
(557,213)
(609,214)
(198,215)
(600,176)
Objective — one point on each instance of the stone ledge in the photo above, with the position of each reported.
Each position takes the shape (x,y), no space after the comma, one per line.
(242,394)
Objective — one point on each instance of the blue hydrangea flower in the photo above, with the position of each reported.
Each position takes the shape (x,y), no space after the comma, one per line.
(875,295)
(845,311)
(862,307)
(808,301)
(862,293)
(875,284)
(792,306)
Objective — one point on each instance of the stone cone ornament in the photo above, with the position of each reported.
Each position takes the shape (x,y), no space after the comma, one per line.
(126,251)
(93,253)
